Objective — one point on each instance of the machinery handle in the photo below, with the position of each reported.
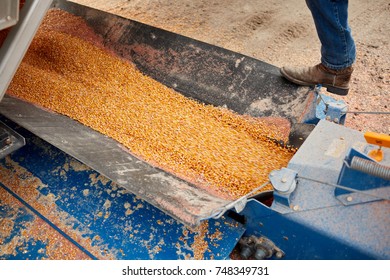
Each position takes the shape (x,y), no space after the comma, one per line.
(374,138)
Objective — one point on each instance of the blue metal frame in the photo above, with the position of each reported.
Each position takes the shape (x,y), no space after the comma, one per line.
(321,234)
(311,222)
(327,108)
(366,183)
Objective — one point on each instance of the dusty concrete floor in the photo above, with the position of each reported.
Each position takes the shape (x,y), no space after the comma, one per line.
(281,33)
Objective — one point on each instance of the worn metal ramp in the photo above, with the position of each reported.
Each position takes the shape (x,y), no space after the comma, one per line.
(201,71)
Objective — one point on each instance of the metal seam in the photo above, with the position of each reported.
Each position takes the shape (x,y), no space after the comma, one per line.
(89,254)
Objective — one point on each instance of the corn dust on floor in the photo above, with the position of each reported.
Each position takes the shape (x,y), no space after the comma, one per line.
(214,148)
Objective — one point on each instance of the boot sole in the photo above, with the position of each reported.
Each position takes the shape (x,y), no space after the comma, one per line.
(329,88)
(336,90)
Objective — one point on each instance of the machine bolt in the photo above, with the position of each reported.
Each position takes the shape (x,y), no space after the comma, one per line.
(246,252)
(279,255)
(349,198)
(260,254)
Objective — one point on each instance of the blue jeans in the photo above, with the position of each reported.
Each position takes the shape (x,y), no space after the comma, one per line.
(331,20)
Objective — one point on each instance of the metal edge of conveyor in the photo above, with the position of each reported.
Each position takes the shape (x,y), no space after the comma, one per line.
(18,40)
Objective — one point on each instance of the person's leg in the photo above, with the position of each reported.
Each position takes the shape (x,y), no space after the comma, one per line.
(331,21)
(337,49)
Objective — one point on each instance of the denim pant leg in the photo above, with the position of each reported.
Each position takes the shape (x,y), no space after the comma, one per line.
(331,20)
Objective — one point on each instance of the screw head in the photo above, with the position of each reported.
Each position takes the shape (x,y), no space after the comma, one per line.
(349,198)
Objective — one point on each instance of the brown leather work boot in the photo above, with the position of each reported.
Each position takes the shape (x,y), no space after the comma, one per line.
(335,81)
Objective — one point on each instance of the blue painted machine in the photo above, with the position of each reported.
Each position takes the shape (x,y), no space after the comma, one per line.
(323,199)
(72,193)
